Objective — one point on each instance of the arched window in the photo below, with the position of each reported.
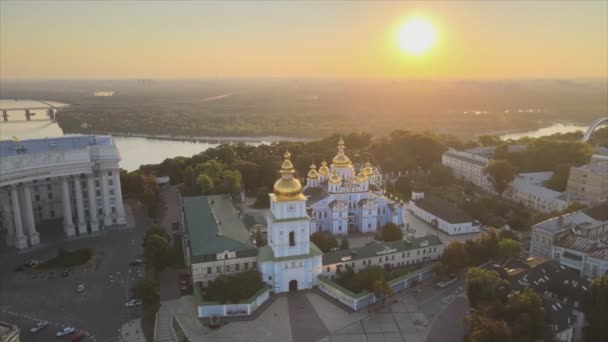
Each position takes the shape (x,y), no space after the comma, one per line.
(292,239)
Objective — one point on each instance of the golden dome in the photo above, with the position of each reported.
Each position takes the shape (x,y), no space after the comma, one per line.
(287,187)
(335,178)
(361,178)
(324,170)
(312,174)
(340,160)
(368,170)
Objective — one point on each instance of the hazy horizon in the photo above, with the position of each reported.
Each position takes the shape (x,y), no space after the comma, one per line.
(181,40)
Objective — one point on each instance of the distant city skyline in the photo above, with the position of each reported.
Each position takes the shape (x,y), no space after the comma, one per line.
(190,39)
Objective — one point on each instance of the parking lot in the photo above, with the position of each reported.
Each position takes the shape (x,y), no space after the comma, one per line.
(100,310)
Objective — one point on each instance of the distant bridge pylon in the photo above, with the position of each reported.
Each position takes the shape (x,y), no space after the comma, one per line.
(592,128)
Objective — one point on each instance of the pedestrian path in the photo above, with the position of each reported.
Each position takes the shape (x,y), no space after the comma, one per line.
(162,328)
(305,323)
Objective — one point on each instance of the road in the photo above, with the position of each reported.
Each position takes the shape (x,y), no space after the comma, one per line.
(100,310)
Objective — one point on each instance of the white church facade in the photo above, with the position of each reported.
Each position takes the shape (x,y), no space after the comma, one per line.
(290,261)
(341,200)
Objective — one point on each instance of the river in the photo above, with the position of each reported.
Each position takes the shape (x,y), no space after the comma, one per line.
(137,151)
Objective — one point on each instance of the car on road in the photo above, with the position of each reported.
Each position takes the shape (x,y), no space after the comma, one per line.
(133,302)
(80,288)
(66,273)
(32,263)
(39,326)
(137,262)
(65,331)
(79,336)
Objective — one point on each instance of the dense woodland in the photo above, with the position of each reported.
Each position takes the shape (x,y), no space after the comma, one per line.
(315,108)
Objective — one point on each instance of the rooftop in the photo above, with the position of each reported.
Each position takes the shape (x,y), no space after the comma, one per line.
(533,183)
(600,167)
(7,331)
(377,248)
(579,219)
(551,277)
(595,249)
(214,226)
(78,142)
(443,209)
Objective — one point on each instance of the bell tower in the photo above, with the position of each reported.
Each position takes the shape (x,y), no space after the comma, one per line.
(288,221)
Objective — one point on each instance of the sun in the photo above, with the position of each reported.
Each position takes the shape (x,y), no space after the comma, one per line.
(416,36)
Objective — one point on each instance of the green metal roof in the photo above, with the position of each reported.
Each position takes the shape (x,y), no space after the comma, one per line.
(379,248)
(214,226)
(266,254)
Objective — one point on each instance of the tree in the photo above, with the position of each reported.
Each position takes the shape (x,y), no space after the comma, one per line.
(324,240)
(189,180)
(596,308)
(508,248)
(147,289)
(344,243)
(525,315)
(260,241)
(441,175)
(500,173)
(205,183)
(454,257)
(234,288)
(381,289)
(486,290)
(158,252)
(391,232)
(262,200)
(484,329)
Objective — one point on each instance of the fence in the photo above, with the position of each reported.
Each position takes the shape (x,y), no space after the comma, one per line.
(244,308)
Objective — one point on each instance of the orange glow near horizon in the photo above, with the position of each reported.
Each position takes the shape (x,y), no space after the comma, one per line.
(391,39)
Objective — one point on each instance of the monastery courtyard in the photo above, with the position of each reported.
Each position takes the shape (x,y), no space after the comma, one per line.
(307,316)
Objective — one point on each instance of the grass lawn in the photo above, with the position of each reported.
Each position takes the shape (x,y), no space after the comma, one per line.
(67,258)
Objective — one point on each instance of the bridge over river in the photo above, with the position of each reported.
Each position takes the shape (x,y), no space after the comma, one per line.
(21,112)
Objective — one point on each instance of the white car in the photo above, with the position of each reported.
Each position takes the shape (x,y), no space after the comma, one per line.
(133,302)
(39,326)
(65,331)
(80,288)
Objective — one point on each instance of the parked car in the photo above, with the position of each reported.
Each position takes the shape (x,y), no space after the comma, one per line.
(80,288)
(133,302)
(39,326)
(65,331)
(137,262)
(66,273)
(32,263)
(79,336)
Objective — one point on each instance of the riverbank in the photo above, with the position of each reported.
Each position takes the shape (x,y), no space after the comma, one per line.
(207,139)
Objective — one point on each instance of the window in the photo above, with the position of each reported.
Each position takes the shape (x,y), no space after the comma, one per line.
(269,277)
(52,213)
(98,193)
(246,265)
(327,268)
(292,239)
(37,197)
(218,269)
(111,191)
(208,270)
(97,183)
(50,195)
(111,182)
(110,173)
(237,267)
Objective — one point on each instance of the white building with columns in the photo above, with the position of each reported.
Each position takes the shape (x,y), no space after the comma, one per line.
(74,178)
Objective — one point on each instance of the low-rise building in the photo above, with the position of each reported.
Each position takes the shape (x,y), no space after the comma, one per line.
(563,291)
(216,241)
(442,215)
(578,240)
(9,332)
(529,190)
(589,182)
(393,254)
(589,257)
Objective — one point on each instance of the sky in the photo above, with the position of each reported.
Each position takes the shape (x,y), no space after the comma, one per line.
(199,39)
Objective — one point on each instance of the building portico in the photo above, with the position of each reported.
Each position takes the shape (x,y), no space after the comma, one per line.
(71,178)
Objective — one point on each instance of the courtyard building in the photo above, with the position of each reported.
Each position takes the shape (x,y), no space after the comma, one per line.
(442,215)
(216,242)
(341,199)
(390,255)
(74,178)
